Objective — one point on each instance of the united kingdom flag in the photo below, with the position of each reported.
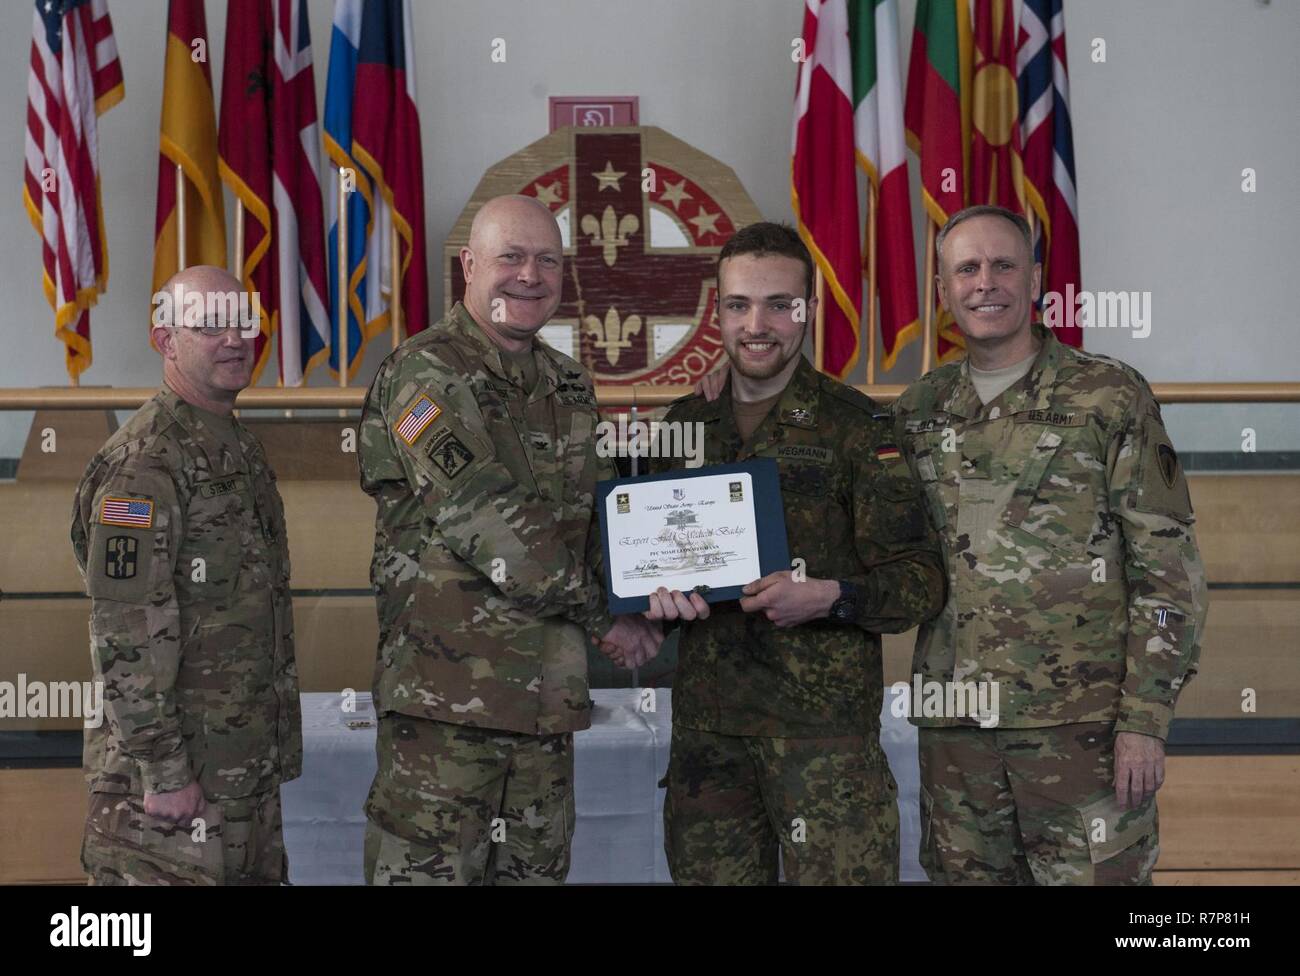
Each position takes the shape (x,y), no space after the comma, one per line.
(300,220)
(1048,148)
(270,159)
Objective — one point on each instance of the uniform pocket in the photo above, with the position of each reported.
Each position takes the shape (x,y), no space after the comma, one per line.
(1110,829)
(125,845)
(1053,499)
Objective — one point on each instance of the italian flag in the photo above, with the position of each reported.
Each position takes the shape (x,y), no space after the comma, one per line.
(881,151)
(938,120)
(824,178)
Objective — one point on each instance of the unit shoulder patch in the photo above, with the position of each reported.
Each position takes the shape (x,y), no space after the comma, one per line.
(449,453)
(120,557)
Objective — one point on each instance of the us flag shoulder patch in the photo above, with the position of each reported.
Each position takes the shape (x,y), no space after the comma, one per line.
(888,452)
(135,513)
(416,419)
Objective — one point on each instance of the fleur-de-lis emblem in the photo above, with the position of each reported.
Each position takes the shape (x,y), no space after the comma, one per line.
(610,232)
(613,335)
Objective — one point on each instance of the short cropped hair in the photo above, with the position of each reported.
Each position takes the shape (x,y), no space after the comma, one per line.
(767,238)
(985,210)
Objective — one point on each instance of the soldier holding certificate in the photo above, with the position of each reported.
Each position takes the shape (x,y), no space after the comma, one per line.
(777,696)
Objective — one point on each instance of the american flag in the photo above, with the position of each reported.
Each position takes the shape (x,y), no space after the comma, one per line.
(1048,148)
(304,318)
(126,511)
(75,77)
(417,418)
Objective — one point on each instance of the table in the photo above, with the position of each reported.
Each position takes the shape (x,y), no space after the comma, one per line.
(618,764)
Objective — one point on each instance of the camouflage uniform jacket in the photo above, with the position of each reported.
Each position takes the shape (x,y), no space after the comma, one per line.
(486,566)
(1074,577)
(179,534)
(852,512)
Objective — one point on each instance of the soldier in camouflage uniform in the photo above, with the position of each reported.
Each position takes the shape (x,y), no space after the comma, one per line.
(179,533)
(477,445)
(776,701)
(1075,586)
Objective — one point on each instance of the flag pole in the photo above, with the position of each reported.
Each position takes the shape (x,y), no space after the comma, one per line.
(343,276)
(819,322)
(180,218)
(873,199)
(237,268)
(395,283)
(927,332)
(238,264)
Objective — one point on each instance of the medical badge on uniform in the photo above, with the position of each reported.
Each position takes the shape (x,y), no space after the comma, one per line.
(449,453)
(133,513)
(119,557)
(416,420)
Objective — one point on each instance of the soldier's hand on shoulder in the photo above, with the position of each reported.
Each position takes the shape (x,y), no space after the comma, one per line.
(788,602)
(1139,768)
(180,806)
(710,384)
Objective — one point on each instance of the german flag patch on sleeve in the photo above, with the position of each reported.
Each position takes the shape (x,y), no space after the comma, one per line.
(133,513)
(417,418)
(888,452)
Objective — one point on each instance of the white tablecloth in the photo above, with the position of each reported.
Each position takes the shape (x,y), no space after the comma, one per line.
(618,764)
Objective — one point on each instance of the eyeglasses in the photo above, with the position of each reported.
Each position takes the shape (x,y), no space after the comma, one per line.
(214,331)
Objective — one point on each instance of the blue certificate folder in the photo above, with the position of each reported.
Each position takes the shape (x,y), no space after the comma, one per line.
(769,520)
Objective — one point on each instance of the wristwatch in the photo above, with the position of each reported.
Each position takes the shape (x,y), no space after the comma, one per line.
(845,608)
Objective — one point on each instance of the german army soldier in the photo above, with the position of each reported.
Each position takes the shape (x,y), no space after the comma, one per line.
(776,701)
(179,533)
(477,445)
(1076,595)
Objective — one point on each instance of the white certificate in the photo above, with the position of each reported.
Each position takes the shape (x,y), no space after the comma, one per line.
(681,533)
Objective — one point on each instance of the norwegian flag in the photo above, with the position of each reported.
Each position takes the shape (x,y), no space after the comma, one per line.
(75,77)
(1048,148)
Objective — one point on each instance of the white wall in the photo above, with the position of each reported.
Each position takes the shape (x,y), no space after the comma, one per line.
(1192,92)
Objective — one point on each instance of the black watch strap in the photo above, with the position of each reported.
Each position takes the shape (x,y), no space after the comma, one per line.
(845,608)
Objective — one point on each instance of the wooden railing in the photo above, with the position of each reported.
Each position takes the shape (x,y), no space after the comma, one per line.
(351,398)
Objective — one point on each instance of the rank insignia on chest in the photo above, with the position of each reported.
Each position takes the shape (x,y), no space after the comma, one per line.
(416,419)
(134,513)
(119,557)
(449,453)
(887,453)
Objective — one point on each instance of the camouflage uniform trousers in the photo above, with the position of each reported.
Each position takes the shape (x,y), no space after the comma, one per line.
(242,843)
(459,805)
(825,807)
(1030,806)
